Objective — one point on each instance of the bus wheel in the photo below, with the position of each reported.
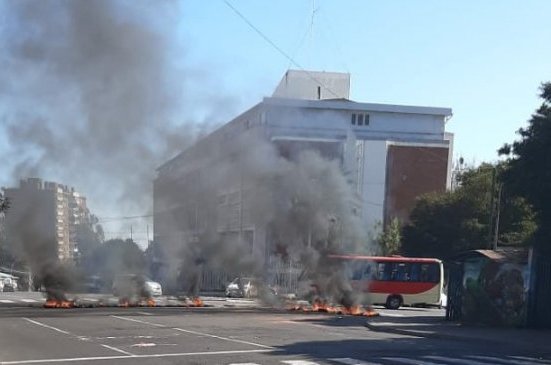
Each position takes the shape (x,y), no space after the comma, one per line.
(393,302)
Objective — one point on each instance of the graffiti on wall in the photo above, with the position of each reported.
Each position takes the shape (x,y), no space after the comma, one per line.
(494,292)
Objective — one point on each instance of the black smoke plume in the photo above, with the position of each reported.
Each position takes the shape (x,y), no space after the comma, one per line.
(93,95)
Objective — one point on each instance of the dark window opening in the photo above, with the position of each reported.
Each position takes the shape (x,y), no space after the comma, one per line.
(360,119)
(353,119)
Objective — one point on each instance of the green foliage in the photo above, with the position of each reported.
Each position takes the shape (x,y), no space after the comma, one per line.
(529,165)
(390,239)
(4,203)
(116,257)
(443,224)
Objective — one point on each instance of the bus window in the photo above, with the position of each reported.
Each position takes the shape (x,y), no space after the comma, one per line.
(369,273)
(383,271)
(434,273)
(354,271)
(403,272)
(424,273)
(430,273)
(357,273)
(415,268)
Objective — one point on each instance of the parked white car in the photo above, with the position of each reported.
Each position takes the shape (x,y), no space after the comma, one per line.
(134,285)
(241,287)
(249,288)
(8,282)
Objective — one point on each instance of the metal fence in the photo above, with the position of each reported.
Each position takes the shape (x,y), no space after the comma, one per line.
(285,275)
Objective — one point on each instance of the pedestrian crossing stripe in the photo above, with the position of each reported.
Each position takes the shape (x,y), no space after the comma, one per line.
(403,360)
(425,360)
(29,300)
(526,361)
(534,361)
(349,361)
(6,301)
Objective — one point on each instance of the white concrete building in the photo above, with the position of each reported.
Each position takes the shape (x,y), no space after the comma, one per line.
(390,153)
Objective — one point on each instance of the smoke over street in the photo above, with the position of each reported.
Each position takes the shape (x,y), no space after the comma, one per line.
(88,95)
(92,95)
(306,204)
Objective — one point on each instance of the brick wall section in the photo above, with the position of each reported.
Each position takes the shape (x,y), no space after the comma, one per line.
(411,172)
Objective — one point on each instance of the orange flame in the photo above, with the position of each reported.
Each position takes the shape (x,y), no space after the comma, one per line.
(150,302)
(196,302)
(322,306)
(59,303)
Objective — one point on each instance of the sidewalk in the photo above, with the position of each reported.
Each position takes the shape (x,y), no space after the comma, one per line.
(439,328)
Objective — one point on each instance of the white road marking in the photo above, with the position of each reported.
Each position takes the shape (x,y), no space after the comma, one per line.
(450,360)
(349,361)
(6,301)
(118,350)
(403,360)
(29,300)
(223,338)
(243,363)
(194,332)
(139,321)
(144,344)
(299,362)
(531,359)
(72,335)
(526,361)
(47,326)
(100,358)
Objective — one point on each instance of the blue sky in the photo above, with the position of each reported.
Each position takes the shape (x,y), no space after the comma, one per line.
(485,60)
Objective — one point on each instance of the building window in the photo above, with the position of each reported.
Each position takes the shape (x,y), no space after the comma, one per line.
(360,119)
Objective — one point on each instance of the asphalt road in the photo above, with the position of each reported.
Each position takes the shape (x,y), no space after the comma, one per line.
(217,335)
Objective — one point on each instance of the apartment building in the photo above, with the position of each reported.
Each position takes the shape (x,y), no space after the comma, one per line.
(45,212)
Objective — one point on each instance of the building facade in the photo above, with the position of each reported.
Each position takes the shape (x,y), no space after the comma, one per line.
(390,154)
(46,212)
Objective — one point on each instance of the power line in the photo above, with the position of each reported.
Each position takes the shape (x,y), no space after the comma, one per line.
(113,219)
(277,48)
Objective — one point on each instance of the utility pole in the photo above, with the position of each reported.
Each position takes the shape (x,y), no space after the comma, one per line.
(131,233)
(492,202)
(147,233)
(496,233)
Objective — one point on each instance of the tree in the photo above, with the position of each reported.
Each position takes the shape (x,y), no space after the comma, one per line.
(390,238)
(116,257)
(443,224)
(4,203)
(6,258)
(89,240)
(529,165)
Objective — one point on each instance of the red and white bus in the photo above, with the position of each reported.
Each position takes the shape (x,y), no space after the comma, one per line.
(395,281)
